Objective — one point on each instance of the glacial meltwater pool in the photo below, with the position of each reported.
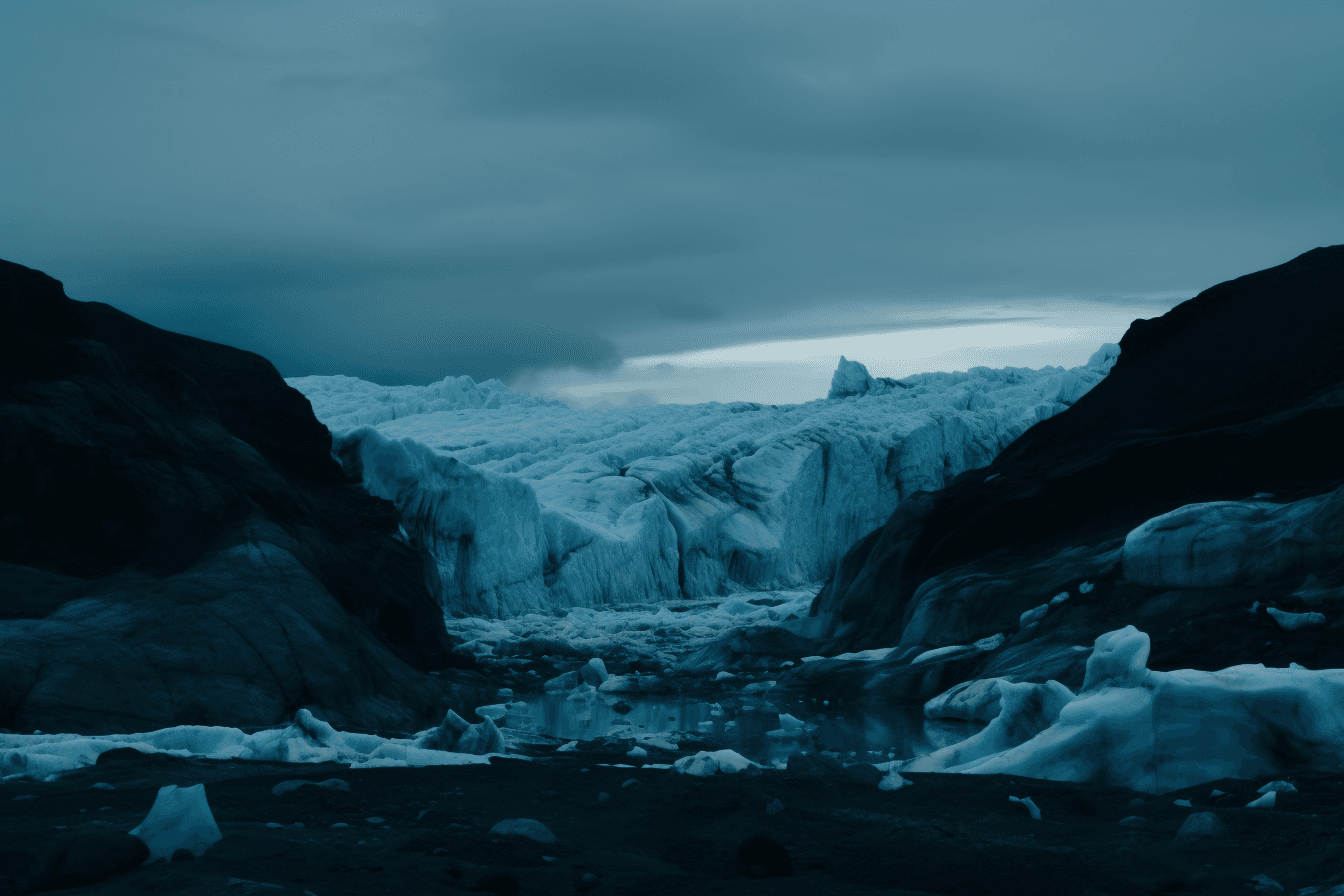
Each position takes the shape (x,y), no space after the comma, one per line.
(869,732)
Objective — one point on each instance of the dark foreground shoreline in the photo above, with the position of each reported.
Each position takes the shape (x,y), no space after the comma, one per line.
(671,833)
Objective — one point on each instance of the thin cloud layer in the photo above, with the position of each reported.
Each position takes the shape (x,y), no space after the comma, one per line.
(403,191)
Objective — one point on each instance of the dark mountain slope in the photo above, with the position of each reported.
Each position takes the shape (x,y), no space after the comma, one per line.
(1235,394)
(138,460)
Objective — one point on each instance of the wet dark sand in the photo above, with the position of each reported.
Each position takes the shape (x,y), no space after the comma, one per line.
(671,833)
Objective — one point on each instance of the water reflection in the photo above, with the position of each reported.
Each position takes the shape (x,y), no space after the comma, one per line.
(868,732)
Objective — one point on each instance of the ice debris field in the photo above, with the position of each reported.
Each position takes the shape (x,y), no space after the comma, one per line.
(1127,726)
(526,504)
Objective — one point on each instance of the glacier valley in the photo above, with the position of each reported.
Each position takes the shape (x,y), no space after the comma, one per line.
(526,505)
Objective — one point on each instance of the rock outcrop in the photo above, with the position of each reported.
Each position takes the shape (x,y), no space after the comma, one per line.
(177,544)
(1192,488)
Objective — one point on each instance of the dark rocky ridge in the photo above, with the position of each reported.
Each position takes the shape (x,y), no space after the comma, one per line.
(177,544)
(1233,394)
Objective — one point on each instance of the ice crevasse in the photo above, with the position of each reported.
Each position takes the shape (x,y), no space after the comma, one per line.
(525,504)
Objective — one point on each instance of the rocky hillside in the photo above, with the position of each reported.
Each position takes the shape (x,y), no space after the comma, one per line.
(177,544)
(1226,411)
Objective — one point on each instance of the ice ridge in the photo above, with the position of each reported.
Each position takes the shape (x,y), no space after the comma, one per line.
(525,504)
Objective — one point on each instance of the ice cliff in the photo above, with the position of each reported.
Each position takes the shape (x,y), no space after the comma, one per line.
(525,504)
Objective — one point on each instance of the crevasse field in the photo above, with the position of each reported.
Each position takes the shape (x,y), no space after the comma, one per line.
(580,529)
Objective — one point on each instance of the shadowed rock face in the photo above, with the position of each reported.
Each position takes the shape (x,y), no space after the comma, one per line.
(177,544)
(1234,396)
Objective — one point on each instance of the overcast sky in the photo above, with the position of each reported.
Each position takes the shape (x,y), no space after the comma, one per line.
(402,191)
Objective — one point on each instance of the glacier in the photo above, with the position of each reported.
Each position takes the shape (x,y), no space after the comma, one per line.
(523,504)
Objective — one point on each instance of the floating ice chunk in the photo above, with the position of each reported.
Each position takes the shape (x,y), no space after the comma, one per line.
(704,727)
(1215,793)
(637,753)
(774,807)
(1030,805)
(789,727)
(179,819)
(1184,804)
(1277,787)
(570,747)
(722,675)
(1032,616)
(705,763)
(1085,588)
(1060,598)
(1293,621)
(892,781)
(1133,821)
(494,712)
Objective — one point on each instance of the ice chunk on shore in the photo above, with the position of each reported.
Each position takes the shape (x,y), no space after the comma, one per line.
(526,504)
(179,819)
(1158,731)
(306,739)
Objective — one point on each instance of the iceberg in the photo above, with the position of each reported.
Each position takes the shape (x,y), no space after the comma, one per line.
(524,505)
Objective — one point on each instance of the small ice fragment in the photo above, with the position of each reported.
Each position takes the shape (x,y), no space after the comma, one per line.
(1255,606)
(594,672)
(722,675)
(1035,614)
(603,797)
(1060,598)
(786,664)
(339,824)
(272,824)
(1030,805)
(374,820)
(494,712)
(1292,622)
(705,727)
(505,694)
(1133,821)
(630,782)
(637,752)
(1264,802)
(1185,803)
(1085,587)
(774,807)
(570,747)
(1278,787)
(1214,794)
(892,781)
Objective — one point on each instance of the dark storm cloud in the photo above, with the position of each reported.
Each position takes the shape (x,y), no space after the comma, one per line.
(407,190)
